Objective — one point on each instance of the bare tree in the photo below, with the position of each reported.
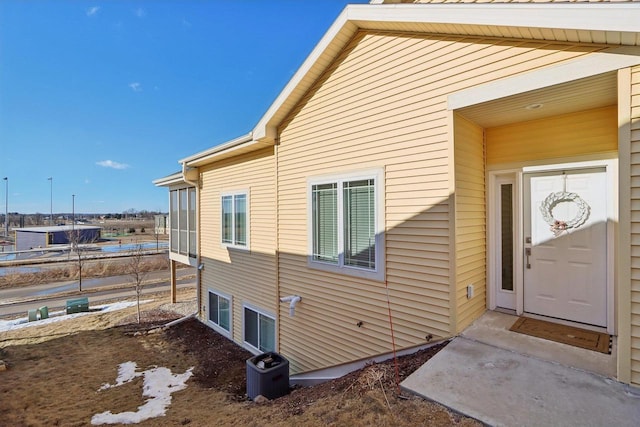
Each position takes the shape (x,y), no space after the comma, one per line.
(135,269)
(76,239)
(156,235)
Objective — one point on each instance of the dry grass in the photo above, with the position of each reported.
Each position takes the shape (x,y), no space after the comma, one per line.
(70,271)
(55,372)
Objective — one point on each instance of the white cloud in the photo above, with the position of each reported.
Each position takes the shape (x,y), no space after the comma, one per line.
(93,11)
(140,12)
(186,23)
(112,164)
(135,86)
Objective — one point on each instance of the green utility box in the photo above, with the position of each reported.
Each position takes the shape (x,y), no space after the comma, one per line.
(77,305)
(39,314)
(44,312)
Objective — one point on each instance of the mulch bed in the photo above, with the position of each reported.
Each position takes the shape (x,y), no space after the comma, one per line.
(222,366)
(221,362)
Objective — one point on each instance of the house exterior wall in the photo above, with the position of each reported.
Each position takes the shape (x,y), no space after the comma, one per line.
(634,298)
(383,104)
(581,133)
(247,276)
(470,220)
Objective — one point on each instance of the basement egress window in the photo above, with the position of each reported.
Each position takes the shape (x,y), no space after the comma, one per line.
(259,330)
(220,311)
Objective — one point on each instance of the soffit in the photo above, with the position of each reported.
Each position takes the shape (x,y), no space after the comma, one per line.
(584,94)
(547,34)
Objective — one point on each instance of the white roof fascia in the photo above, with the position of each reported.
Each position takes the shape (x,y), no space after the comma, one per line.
(213,151)
(166,181)
(623,17)
(340,25)
(571,16)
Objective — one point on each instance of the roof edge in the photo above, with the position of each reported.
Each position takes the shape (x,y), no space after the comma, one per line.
(174,178)
(218,148)
(624,17)
(340,26)
(565,15)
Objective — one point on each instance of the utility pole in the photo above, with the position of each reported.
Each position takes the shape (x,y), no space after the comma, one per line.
(51,200)
(6,207)
(75,240)
(73,212)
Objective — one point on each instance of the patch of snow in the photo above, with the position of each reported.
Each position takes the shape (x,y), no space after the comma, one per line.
(126,373)
(159,384)
(58,316)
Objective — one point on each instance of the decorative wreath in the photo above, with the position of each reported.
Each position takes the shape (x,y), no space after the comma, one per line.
(553,199)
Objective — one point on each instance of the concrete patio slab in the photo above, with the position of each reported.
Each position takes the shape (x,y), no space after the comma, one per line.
(504,388)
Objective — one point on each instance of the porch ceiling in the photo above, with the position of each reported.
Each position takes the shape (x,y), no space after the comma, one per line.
(584,94)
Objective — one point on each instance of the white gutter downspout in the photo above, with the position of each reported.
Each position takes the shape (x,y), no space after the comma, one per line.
(199,265)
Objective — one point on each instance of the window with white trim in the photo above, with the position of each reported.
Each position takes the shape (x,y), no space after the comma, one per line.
(220,311)
(259,330)
(235,219)
(346,223)
(182,220)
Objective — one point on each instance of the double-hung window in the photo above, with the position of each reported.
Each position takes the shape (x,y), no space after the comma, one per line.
(220,311)
(259,330)
(235,220)
(346,223)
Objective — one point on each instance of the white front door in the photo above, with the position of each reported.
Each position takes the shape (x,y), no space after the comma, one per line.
(565,231)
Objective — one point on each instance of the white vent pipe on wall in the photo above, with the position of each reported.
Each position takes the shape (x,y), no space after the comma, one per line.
(292,300)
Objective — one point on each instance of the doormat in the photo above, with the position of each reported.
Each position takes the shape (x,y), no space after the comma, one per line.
(591,340)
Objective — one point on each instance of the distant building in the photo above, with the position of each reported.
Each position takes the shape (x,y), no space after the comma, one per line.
(161,224)
(42,237)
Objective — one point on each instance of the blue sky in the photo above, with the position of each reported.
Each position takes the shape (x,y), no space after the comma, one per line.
(106,96)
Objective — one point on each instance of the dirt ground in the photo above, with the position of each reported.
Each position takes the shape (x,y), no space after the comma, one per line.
(55,372)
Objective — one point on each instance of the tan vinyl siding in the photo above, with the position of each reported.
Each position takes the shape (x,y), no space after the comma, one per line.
(382,104)
(470,219)
(248,276)
(567,135)
(635,226)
